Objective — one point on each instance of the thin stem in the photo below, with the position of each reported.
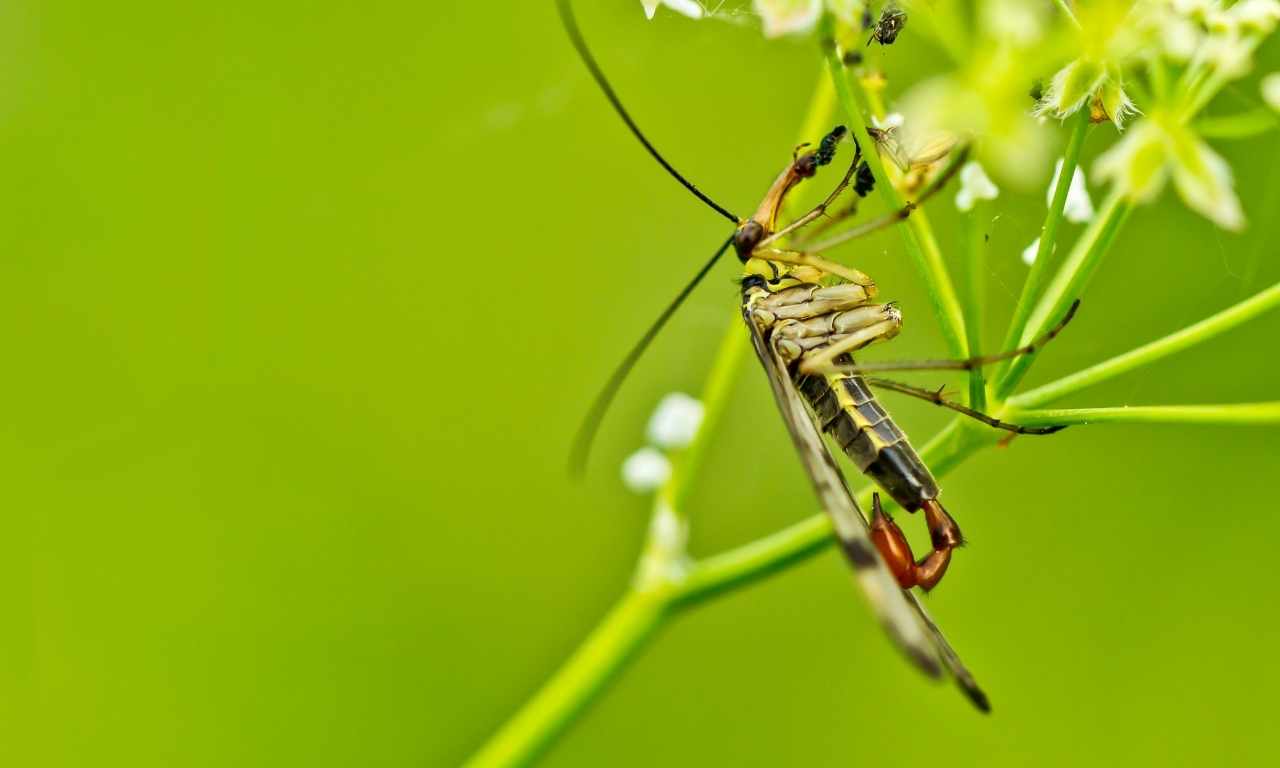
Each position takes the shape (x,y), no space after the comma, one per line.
(544,716)
(715,398)
(1233,413)
(1048,236)
(975,236)
(1069,282)
(1149,353)
(917,237)
(1065,7)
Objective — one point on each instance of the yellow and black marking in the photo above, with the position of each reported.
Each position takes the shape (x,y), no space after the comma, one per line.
(783,312)
(850,413)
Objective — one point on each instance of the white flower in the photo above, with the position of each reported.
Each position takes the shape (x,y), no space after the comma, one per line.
(1229,53)
(1159,148)
(667,531)
(675,421)
(687,7)
(1271,90)
(1194,8)
(1256,15)
(646,470)
(1078,208)
(788,17)
(975,185)
(1179,37)
(1016,21)
(1136,164)
(1203,180)
(891,121)
(664,560)
(1029,253)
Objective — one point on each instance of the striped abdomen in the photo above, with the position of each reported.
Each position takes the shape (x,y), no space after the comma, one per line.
(849,412)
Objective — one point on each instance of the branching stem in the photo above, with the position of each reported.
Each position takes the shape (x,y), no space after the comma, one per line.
(1048,235)
(1068,283)
(1232,413)
(668,581)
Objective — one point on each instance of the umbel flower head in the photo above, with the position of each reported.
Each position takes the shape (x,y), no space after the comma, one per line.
(1202,45)
(1105,40)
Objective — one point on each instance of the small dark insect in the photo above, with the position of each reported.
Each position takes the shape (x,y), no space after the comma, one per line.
(892,20)
(864,182)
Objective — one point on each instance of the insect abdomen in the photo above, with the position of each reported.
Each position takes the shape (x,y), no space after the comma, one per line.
(850,413)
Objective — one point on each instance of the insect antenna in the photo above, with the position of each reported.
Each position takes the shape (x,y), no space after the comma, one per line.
(591,422)
(580,45)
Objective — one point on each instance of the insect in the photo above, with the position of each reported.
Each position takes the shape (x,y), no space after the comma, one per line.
(806,316)
(888,26)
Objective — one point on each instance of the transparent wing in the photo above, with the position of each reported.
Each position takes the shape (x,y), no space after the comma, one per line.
(903,617)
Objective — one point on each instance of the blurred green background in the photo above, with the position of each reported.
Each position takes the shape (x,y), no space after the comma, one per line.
(302,303)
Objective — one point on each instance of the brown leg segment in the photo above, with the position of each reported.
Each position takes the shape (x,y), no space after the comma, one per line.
(893,546)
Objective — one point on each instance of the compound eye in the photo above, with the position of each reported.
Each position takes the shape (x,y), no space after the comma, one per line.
(747,238)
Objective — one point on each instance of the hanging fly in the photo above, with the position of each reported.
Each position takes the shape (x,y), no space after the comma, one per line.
(806,316)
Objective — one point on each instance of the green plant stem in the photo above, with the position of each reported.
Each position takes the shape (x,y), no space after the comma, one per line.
(917,237)
(715,398)
(1232,413)
(1048,236)
(544,716)
(1148,353)
(1068,283)
(1065,7)
(975,237)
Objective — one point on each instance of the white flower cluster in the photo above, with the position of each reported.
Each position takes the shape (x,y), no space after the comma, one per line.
(1211,43)
(688,8)
(1207,32)
(673,426)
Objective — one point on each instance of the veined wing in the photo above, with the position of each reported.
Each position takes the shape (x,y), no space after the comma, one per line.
(904,618)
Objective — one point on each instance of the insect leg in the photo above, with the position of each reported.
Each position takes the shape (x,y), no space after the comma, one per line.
(801,258)
(893,546)
(849,332)
(809,300)
(967,364)
(935,397)
(821,208)
(893,217)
